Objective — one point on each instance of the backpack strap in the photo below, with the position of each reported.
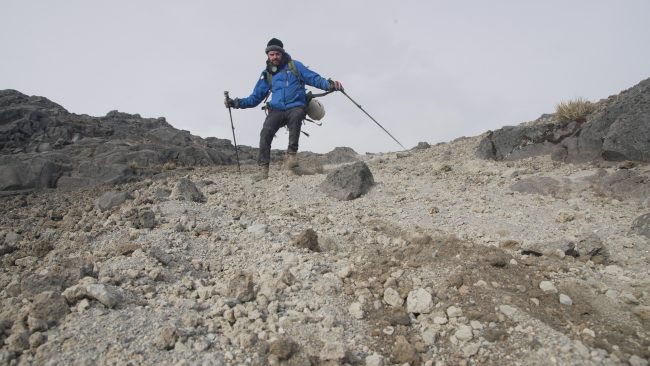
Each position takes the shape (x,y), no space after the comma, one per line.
(268,77)
(296,73)
(292,67)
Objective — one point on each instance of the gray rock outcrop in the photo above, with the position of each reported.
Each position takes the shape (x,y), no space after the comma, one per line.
(42,145)
(618,130)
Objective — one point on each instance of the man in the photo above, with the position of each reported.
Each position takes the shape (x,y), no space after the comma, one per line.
(285,79)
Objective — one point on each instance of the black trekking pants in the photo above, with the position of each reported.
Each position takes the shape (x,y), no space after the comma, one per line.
(292,118)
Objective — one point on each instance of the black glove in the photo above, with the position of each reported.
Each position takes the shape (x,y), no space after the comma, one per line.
(231,103)
(335,85)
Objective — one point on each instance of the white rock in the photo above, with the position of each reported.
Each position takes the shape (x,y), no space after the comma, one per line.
(614,270)
(75,293)
(471,349)
(258,230)
(440,320)
(464,333)
(637,361)
(565,300)
(356,310)
(429,336)
(612,294)
(454,312)
(345,272)
(475,324)
(375,360)
(547,286)
(507,310)
(419,301)
(106,294)
(392,298)
(481,283)
(589,332)
(83,305)
(581,349)
(205,292)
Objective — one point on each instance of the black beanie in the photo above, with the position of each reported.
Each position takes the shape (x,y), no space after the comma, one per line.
(274,45)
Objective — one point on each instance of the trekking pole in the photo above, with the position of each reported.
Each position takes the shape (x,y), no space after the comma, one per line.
(364,111)
(234,139)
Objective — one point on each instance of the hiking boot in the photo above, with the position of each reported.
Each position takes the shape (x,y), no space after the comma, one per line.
(262,174)
(290,161)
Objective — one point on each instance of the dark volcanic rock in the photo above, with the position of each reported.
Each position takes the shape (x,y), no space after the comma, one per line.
(621,184)
(186,190)
(618,130)
(519,142)
(18,173)
(42,145)
(341,155)
(348,182)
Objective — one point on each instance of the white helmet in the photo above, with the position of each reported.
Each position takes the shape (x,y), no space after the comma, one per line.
(315,109)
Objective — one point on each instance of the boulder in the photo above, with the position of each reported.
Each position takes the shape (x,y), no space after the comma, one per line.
(307,239)
(186,190)
(49,306)
(348,182)
(111,199)
(33,173)
(110,296)
(242,287)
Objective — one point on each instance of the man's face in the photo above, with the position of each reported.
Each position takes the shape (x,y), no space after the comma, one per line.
(275,57)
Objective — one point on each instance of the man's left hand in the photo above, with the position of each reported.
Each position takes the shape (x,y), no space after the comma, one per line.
(335,85)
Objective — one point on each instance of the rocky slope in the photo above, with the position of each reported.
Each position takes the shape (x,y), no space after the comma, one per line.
(431,256)
(447,260)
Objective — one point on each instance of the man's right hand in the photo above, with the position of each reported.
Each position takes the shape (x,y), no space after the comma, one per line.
(231,103)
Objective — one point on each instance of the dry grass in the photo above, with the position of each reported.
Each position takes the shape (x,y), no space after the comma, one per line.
(169,165)
(133,165)
(574,110)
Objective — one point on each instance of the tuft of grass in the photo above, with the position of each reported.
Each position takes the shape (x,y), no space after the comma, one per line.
(169,165)
(133,165)
(574,110)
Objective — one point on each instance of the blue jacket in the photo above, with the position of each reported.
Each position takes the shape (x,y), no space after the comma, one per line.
(288,92)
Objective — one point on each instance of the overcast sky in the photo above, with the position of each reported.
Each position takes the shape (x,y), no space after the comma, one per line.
(426,70)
